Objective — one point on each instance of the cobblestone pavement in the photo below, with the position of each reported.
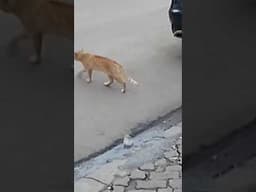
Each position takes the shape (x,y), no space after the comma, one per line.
(162,174)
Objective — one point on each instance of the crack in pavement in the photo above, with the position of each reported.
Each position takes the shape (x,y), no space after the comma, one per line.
(97,180)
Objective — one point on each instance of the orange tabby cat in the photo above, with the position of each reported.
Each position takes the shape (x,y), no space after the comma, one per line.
(113,69)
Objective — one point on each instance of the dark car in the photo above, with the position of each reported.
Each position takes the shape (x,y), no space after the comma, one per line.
(175,16)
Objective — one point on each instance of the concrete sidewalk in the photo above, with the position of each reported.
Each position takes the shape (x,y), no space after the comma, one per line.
(152,164)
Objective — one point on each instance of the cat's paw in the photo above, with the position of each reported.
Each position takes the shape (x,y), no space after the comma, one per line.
(107,84)
(88,80)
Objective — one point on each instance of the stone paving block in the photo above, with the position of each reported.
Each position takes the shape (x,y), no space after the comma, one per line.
(174,159)
(161,162)
(151,184)
(177,190)
(164,175)
(118,189)
(180,174)
(122,173)
(180,148)
(166,190)
(175,183)
(179,141)
(88,185)
(122,181)
(173,168)
(137,174)
(169,155)
(148,167)
(160,169)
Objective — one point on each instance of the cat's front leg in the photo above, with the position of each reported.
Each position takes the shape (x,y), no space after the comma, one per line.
(89,79)
(109,82)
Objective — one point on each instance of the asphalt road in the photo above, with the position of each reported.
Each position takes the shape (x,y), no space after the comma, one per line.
(136,34)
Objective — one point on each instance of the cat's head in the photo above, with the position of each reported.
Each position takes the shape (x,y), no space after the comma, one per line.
(78,54)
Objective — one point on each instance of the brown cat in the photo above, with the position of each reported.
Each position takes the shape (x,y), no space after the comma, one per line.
(113,69)
(41,17)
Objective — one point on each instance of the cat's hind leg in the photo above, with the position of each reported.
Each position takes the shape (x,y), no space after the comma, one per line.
(123,83)
(123,90)
(109,82)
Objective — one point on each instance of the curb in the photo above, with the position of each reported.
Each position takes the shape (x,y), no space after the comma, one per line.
(175,116)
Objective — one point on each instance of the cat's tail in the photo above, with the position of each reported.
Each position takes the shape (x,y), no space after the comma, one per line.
(132,81)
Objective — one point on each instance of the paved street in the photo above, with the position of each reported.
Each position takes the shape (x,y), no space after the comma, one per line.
(135,33)
(152,164)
